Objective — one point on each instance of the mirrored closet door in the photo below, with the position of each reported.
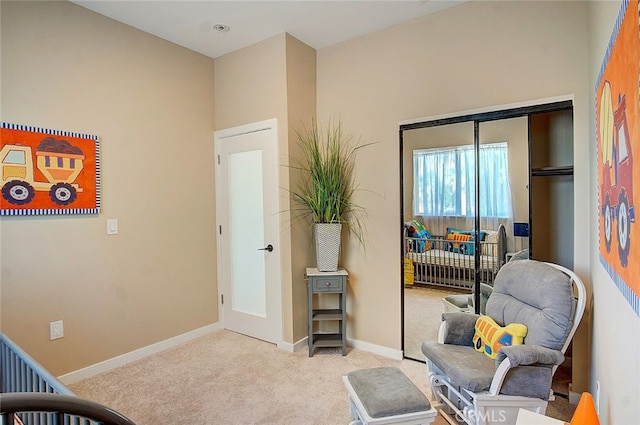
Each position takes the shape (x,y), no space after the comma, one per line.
(434,165)
(465,212)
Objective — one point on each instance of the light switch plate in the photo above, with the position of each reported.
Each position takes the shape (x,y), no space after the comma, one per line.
(112,226)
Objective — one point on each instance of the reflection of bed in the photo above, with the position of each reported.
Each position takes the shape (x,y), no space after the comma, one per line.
(443,261)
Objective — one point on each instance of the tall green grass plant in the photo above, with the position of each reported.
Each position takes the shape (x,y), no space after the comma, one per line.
(326,190)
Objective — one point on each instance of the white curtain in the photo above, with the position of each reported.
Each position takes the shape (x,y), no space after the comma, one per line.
(444,187)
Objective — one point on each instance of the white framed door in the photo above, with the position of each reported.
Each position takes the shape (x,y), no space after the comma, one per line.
(248,230)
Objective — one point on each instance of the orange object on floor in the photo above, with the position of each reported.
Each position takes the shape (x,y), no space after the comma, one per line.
(585,413)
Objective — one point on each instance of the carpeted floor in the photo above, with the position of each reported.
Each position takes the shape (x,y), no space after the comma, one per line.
(227,378)
(423,309)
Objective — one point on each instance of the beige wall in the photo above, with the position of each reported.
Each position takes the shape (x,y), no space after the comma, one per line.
(301,107)
(471,56)
(513,131)
(151,104)
(244,95)
(616,328)
(283,89)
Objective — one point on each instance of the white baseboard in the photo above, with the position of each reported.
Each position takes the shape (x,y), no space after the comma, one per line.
(354,343)
(134,355)
(376,349)
(292,348)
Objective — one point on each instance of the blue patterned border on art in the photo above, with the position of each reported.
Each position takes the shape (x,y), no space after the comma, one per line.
(626,291)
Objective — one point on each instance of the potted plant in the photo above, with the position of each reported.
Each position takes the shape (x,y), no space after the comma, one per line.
(325,189)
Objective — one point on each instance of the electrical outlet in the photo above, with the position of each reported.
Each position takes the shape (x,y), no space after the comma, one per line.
(56,330)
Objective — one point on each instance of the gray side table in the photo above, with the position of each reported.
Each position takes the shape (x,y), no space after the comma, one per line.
(321,283)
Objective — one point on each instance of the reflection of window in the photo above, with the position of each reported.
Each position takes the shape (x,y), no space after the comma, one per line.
(444,181)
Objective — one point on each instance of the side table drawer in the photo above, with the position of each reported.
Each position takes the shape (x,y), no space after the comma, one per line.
(328,284)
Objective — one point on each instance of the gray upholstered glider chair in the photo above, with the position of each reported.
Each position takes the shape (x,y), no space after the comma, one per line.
(474,389)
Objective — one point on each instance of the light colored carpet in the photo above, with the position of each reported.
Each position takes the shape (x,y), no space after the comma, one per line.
(227,378)
(423,309)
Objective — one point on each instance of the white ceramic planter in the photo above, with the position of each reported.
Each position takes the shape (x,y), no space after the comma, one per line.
(327,236)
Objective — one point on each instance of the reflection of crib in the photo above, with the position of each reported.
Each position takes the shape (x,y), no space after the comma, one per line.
(440,266)
(30,395)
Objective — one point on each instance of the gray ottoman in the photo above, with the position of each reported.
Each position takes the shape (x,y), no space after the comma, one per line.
(384,395)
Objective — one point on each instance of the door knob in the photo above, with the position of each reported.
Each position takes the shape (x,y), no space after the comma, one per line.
(267,248)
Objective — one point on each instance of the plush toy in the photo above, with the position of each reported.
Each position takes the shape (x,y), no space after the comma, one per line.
(490,336)
(422,238)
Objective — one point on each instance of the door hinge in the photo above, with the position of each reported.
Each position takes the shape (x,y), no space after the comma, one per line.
(220,229)
(218,159)
(221,298)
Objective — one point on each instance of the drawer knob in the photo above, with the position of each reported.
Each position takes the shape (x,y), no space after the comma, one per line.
(328,283)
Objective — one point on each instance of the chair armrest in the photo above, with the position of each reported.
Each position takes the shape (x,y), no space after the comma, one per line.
(457,328)
(530,370)
(529,355)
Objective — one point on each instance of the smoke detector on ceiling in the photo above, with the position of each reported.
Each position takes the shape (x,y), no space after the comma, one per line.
(221,28)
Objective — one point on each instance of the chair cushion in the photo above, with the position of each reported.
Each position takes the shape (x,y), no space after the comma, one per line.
(529,355)
(537,295)
(467,301)
(460,301)
(528,381)
(386,391)
(466,367)
(460,328)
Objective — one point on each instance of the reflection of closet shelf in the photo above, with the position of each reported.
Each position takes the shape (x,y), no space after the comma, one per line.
(553,171)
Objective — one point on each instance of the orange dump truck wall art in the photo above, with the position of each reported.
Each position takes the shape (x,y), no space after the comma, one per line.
(46,172)
(618,139)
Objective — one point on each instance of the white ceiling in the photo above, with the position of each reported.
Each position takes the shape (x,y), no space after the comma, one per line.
(318,23)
